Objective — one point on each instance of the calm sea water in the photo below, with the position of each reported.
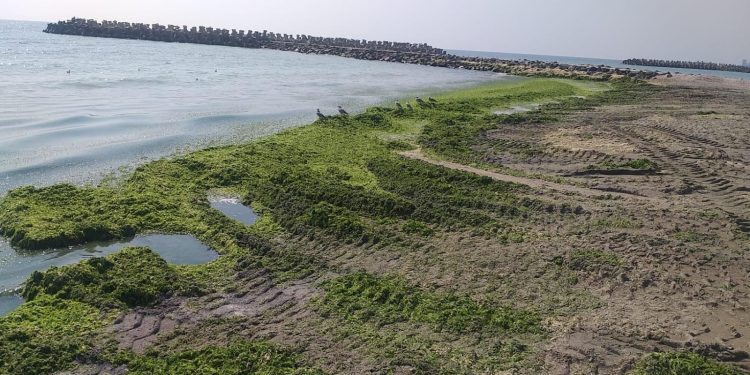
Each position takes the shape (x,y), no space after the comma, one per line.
(126,102)
(594,61)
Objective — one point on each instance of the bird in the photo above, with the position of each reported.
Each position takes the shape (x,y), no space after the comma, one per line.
(320,115)
(343,112)
(399,107)
(68,71)
(408,105)
(432,100)
(421,102)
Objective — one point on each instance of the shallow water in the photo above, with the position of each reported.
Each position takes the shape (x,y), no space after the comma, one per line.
(233,208)
(180,249)
(16,267)
(127,101)
(9,303)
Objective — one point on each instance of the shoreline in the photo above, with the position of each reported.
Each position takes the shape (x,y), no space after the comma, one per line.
(345,220)
(88,120)
(122,172)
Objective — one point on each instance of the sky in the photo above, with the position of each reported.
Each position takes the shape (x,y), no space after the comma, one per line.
(717,30)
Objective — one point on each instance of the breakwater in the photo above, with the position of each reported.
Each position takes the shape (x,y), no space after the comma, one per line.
(410,53)
(688,65)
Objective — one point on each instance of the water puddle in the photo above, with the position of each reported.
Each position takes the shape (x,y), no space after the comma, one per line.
(233,208)
(180,249)
(17,266)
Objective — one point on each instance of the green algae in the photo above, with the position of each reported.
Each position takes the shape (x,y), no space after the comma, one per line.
(46,335)
(390,300)
(408,326)
(457,129)
(238,358)
(129,278)
(340,161)
(682,363)
(337,178)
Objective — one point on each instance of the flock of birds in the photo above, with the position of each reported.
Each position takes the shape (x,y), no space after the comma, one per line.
(429,103)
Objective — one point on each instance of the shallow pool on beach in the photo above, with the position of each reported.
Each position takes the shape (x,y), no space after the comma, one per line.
(17,266)
(234,209)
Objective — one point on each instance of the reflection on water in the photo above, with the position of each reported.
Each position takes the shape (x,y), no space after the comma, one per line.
(15,267)
(233,208)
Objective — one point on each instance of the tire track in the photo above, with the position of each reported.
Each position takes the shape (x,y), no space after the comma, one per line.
(260,300)
(531,182)
(718,191)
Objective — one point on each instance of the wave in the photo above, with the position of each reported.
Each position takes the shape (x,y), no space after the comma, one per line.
(54,123)
(107,84)
(248,118)
(57,130)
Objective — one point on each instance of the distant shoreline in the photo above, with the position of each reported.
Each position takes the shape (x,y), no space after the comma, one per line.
(688,65)
(595,61)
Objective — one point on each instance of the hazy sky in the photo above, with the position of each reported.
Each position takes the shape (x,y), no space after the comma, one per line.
(716,30)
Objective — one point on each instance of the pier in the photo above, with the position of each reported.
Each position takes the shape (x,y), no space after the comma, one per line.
(400,52)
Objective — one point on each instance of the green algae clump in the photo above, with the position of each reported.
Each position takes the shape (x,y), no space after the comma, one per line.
(132,277)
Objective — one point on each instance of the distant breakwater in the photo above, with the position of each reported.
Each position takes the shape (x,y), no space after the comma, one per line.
(410,53)
(688,65)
